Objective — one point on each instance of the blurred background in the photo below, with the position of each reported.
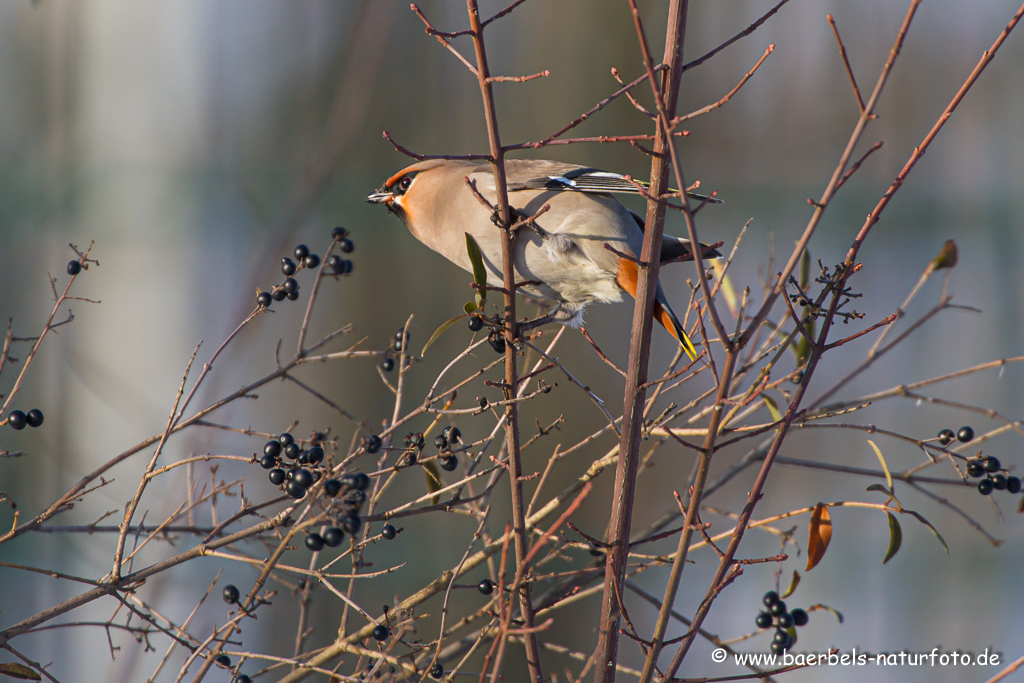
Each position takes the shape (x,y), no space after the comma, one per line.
(198,142)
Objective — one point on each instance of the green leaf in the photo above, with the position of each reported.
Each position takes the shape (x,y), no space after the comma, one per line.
(433,478)
(439,331)
(895,537)
(929,525)
(773,408)
(16,670)
(885,468)
(805,269)
(470,308)
(880,488)
(477,259)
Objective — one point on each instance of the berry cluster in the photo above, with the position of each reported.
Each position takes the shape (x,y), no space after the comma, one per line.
(19,420)
(303,471)
(995,477)
(987,468)
(350,494)
(444,441)
(399,342)
(497,341)
(413,445)
(783,620)
(963,435)
(289,289)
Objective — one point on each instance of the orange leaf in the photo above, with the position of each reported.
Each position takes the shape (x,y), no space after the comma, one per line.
(819,536)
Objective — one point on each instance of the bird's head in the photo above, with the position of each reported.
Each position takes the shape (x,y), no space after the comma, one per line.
(398,192)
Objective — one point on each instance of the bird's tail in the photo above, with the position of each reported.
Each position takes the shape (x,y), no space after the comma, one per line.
(627,277)
(664,315)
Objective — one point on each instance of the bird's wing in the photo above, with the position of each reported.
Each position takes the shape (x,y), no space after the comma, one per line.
(558,177)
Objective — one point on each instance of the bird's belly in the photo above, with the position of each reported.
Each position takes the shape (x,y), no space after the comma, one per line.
(567,275)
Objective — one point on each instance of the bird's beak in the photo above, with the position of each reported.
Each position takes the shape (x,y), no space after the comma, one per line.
(380,197)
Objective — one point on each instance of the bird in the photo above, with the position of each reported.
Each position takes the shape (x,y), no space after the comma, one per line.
(562,254)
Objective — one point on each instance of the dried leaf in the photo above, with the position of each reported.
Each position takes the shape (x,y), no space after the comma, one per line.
(819,536)
(792,584)
(885,468)
(947,257)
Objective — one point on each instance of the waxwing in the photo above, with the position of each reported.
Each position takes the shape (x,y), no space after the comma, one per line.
(563,250)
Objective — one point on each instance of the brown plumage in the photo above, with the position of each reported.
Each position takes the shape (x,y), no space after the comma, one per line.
(565,251)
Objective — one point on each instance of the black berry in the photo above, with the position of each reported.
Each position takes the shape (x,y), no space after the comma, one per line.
(475,323)
(449,463)
(985,487)
(800,617)
(440,441)
(339,233)
(381,632)
(437,671)
(288,267)
(277,476)
(293,296)
(278,295)
(263,299)
(315,455)
(486,587)
(785,620)
(992,464)
(224,661)
(965,434)
(999,482)
(497,343)
(350,524)
(230,594)
(268,462)
(331,487)
(975,469)
(74,267)
(777,648)
(286,439)
(272,448)
(34,417)
(311,261)
(387,365)
(242,678)
(334,262)
(946,437)
(764,620)
(1013,484)
(290,285)
(292,451)
(361,481)
(778,607)
(303,478)
(333,537)
(301,251)
(454,434)
(315,542)
(17,419)
(346,246)
(389,532)
(770,598)
(372,443)
(294,489)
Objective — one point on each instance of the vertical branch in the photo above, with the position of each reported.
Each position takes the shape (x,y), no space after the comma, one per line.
(511,376)
(666,91)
